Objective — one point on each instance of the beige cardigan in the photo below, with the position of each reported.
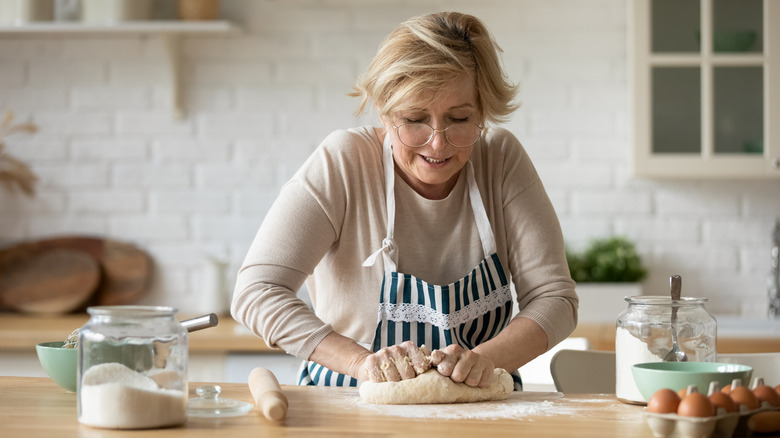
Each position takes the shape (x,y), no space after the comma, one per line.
(331,216)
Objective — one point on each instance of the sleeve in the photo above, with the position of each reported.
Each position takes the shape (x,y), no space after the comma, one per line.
(535,248)
(289,244)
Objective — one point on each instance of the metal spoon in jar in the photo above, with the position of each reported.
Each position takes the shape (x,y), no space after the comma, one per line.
(675,354)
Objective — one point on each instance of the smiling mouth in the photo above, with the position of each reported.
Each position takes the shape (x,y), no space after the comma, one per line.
(433,160)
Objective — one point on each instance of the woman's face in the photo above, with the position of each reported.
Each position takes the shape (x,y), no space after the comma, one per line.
(432,170)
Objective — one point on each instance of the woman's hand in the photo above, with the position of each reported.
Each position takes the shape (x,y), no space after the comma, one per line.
(395,363)
(462,365)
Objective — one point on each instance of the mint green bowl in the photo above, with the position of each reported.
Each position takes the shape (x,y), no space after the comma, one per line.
(652,376)
(59,363)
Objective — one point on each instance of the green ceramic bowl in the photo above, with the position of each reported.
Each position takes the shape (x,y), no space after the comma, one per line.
(59,363)
(650,377)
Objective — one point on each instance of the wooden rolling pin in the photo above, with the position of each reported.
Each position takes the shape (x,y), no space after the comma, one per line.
(268,394)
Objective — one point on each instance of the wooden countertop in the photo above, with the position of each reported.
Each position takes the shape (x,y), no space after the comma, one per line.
(36,407)
(22,332)
(602,337)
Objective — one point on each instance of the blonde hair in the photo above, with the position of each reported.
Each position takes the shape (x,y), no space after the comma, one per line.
(429,52)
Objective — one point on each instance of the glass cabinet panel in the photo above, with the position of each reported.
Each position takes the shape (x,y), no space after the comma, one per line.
(737,26)
(739,112)
(675,25)
(676,110)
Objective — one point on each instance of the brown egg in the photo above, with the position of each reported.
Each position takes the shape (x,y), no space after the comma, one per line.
(695,404)
(663,401)
(721,400)
(726,389)
(744,396)
(682,393)
(767,394)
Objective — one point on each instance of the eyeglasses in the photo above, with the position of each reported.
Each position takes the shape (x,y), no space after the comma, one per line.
(460,135)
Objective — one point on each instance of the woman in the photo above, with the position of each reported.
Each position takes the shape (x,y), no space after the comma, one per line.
(414,233)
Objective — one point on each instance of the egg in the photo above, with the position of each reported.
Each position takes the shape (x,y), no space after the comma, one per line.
(726,389)
(744,396)
(766,394)
(663,401)
(695,404)
(721,400)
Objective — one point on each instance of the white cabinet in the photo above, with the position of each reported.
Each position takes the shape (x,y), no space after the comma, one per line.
(706,88)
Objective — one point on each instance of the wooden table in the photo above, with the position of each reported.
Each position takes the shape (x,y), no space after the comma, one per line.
(36,407)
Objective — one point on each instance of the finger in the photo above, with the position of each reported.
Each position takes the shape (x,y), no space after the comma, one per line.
(467,368)
(437,357)
(403,364)
(390,372)
(445,364)
(420,361)
(487,378)
(373,370)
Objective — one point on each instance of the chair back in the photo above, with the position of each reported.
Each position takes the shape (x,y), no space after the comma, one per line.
(766,365)
(583,371)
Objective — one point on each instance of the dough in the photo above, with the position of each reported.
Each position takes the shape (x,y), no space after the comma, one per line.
(431,387)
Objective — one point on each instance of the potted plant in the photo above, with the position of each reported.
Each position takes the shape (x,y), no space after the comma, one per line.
(606,272)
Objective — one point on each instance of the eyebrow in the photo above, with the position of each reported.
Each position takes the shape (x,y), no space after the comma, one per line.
(456,107)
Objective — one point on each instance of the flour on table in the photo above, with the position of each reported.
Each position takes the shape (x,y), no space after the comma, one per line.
(431,387)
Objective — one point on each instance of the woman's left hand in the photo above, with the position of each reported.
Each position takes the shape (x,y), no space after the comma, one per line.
(462,365)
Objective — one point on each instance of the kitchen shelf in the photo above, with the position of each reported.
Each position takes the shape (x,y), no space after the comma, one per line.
(170,31)
(158,27)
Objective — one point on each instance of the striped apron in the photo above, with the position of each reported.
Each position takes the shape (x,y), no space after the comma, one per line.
(467,312)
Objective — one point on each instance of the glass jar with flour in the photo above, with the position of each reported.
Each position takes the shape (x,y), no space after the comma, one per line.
(644,334)
(132,368)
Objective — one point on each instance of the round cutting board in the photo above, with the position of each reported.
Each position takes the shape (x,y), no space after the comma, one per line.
(125,270)
(48,282)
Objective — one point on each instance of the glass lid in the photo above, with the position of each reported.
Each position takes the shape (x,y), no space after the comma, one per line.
(208,404)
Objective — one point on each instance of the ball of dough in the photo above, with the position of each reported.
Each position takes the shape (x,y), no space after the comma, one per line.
(431,387)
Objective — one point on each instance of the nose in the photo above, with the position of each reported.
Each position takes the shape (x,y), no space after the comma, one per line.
(439,139)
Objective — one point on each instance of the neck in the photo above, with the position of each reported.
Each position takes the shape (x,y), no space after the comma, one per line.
(429,191)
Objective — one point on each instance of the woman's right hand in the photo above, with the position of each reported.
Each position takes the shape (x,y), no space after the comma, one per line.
(395,363)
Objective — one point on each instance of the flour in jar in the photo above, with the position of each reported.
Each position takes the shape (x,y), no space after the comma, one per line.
(116,397)
(629,350)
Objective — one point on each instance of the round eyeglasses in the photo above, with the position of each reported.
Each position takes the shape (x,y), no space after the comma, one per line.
(460,135)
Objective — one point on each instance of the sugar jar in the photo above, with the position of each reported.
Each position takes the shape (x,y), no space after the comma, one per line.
(644,334)
(132,368)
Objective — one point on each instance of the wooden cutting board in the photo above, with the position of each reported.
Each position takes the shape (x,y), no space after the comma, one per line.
(125,270)
(48,282)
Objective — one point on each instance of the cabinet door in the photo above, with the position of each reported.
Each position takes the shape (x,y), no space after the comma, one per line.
(703,94)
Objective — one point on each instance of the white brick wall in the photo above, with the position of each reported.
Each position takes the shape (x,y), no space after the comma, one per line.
(113,161)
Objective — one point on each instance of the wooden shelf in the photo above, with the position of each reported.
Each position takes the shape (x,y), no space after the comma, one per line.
(170,31)
(158,27)
(20,333)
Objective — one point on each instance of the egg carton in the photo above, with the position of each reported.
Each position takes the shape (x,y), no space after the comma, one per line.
(722,425)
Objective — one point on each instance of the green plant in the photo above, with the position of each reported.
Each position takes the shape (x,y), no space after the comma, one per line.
(611,260)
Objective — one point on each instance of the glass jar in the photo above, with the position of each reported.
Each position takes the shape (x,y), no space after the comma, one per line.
(644,334)
(132,368)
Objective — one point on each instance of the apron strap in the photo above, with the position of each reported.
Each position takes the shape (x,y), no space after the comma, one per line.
(480,215)
(388,250)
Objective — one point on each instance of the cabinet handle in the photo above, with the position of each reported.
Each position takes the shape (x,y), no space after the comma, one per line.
(776,163)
